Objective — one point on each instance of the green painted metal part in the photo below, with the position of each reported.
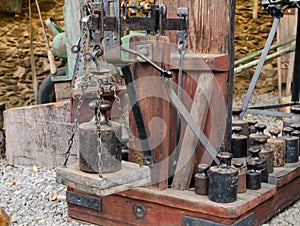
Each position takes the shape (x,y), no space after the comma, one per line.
(11,6)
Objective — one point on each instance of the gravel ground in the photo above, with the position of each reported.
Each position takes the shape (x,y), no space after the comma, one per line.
(31,196)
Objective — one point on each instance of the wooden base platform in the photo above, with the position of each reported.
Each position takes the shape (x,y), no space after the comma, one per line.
(149,206)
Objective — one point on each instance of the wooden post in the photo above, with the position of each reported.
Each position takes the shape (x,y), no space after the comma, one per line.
(209,33)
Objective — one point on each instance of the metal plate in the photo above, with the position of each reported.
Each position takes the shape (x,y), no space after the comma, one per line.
(190,221)
(84,200)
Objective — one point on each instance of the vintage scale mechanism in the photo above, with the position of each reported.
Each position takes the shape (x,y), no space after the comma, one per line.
(103,24)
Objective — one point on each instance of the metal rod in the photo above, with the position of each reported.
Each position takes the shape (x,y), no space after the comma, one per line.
(269,113)
(269,57)
(260,64)
(296,75)
(256,54)
(191,122)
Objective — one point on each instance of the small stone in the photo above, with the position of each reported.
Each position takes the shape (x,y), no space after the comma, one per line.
(53,197)
(35,169)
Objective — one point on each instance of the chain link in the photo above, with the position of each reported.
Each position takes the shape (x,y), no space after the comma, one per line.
(98,126)
(84,86)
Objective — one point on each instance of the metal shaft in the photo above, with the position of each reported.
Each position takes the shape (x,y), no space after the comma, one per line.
(260,65)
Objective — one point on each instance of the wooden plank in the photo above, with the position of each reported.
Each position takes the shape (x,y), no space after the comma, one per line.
(190,201)
(38,135)
(202,62)
(284,196)
(283,175)
(166,207)
(130,176)
(187,155)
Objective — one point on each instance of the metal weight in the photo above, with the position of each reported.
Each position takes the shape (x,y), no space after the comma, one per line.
(292,146)
(111,147)
(239,143)
(253,176)
(261,163)
(201,180)
(295,118)
(242,188)
(236,121)
(266,153)
(260,128)
(223,180)
(278,146)
(251,127)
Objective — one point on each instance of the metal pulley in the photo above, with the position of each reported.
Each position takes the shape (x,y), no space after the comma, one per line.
(104,156)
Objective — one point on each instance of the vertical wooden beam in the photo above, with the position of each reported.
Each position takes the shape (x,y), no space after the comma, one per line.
(155,107)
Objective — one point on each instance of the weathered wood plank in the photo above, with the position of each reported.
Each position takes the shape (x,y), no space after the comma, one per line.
(187,156)
(38,135)
(285,174)
(130,176)
(166,207)
(202,62)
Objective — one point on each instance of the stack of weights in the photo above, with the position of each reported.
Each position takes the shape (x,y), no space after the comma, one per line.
(261,163)
(236,121)
(93,156)
(260,128)
(266,153)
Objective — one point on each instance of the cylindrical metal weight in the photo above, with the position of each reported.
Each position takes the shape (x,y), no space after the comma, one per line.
(266,153)
(223,180)
(260,128)
(90,149)
(295,118)
(242,188)
(292,146)
(239,143)
(278,146)
(261,163)
(296,132)
(253,176)
(201,180)
(251,128)
(236,121)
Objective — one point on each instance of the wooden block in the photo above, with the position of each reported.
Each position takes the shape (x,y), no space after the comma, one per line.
(38,135)
(63,90)
(4,218)
(131,175)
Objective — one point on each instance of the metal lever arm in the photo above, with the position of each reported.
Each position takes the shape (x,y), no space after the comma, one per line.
(166,73)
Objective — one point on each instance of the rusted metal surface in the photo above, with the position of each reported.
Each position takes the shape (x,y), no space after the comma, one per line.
(253,176)
(223,180)
(239,143)
(292,146)
(201,180)
(10,6)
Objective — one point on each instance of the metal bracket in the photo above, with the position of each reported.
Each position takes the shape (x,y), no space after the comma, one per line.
(145,50)
(84,200)
(190,221)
